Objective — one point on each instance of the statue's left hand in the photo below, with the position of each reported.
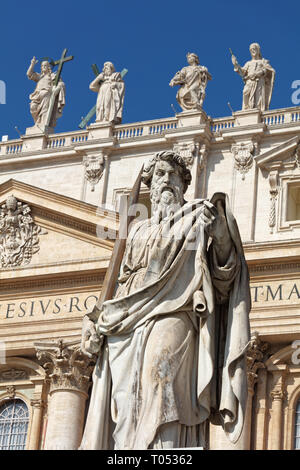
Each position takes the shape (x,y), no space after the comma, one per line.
(215,222)
(216,227)
(90,341)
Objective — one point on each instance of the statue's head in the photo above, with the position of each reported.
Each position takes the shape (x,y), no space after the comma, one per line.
(46,67)
(11,203)
(192,58)
(254,49)
(108,68)
(168,178)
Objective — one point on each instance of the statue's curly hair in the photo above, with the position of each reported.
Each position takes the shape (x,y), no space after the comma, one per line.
(171,157)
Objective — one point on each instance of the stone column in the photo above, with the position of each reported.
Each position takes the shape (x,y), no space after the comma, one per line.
(37,411)
(277,396)
(68,373)
(261,411)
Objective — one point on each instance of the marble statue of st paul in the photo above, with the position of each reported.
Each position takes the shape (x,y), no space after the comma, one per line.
(172,341)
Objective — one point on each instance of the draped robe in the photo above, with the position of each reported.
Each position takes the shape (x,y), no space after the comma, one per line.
(110,99)
(257,91)
(40,98)
(175,339)
(193,80)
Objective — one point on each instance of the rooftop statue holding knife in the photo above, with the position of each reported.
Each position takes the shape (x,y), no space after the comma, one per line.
(258,76)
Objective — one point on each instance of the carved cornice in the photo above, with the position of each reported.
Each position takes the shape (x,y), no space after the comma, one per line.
(65,365)
(48,284)
(277,155)
(277,267)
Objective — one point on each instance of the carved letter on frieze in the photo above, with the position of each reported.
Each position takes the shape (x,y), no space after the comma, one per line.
(243,156)
(19,239)
(94,166)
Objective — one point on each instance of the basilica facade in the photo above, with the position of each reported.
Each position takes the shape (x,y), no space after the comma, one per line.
(60,198)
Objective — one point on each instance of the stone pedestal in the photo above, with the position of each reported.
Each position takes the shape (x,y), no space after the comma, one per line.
(100,130)
(34,141)
(247,117)
(68,373)
(192,118)
(36,130)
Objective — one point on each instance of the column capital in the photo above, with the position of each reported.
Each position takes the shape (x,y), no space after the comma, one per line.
(37,403)
(255,359)
(278,394)
(65,365)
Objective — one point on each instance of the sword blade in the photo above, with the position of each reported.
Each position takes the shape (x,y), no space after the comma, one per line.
(112,272)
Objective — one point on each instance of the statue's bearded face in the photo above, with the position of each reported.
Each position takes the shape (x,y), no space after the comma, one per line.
(254,51)
(108,68)
(166,189)
(45,67)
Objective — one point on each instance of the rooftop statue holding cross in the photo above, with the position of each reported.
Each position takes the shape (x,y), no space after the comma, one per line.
(48,98)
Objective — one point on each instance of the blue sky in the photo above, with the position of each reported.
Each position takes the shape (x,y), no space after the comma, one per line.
(151,40)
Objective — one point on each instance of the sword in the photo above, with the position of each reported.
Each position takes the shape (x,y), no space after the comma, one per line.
(113,269)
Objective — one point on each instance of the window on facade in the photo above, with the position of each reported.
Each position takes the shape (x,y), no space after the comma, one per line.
(297,427)
(293,206)
(14,418)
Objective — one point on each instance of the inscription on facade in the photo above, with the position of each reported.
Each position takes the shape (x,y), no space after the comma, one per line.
(30,309)
(286,291)
(262,294)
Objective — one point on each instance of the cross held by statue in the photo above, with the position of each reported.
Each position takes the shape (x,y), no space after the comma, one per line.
(60,64)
